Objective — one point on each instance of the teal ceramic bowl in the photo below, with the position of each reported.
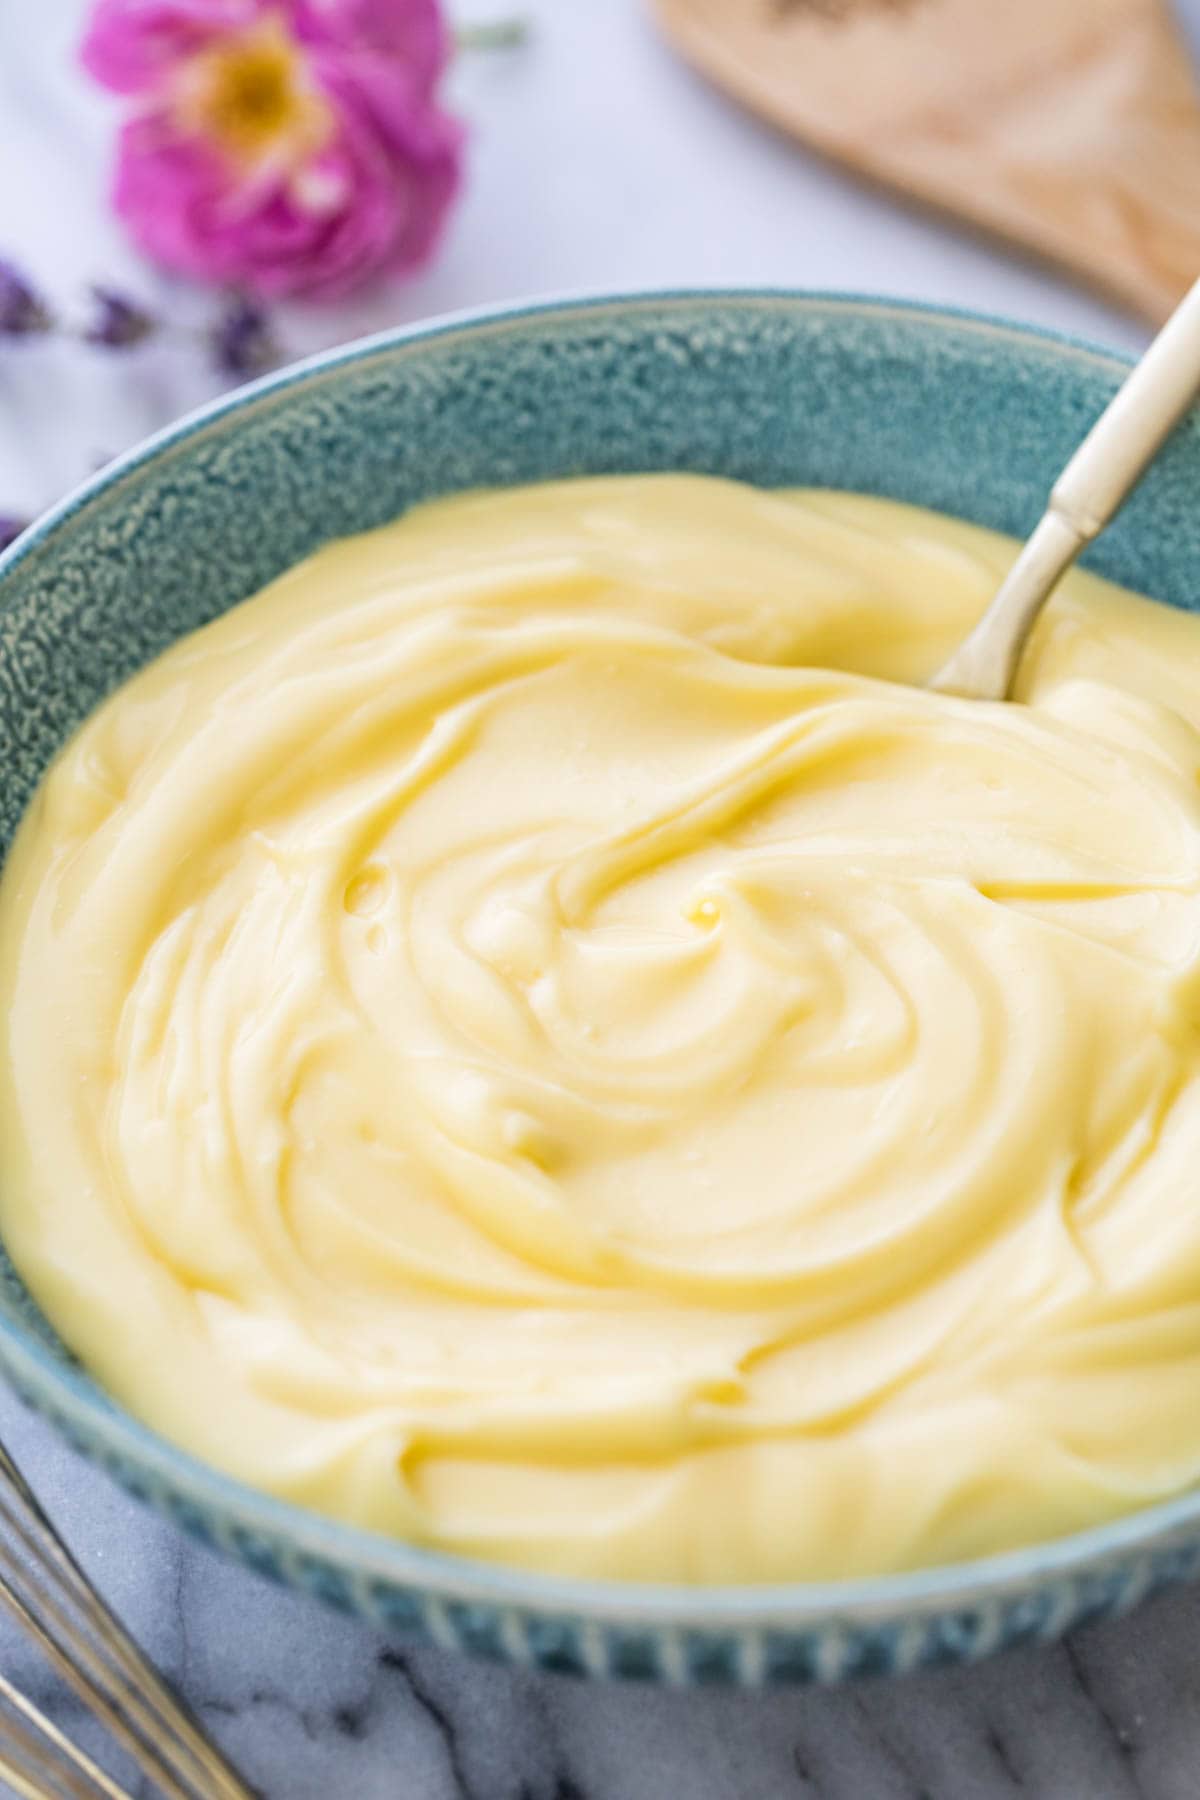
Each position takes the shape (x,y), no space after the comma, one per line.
(962,413)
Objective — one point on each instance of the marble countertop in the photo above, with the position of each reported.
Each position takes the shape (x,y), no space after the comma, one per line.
(653,181)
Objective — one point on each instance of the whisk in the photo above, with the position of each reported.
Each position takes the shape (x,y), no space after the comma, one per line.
(44,1588)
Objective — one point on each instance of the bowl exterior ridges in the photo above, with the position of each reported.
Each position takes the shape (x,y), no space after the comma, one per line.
(832,1647)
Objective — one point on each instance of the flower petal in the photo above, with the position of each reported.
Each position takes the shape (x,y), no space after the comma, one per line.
(413,32)
(164,191)
(385,95)
(131,45)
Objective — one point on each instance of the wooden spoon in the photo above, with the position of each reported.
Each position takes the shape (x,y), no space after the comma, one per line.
(1069,126)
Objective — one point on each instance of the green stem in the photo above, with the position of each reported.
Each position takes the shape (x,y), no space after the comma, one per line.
(498,34)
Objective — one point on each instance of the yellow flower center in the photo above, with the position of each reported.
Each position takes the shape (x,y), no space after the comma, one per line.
(253,98)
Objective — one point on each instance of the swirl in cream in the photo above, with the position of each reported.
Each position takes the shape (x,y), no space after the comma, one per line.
(527,1035)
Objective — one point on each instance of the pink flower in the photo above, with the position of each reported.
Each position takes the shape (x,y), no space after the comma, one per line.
(281,146)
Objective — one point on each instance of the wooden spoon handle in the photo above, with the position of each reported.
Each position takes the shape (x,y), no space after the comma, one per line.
(1069,126)
(1098,169)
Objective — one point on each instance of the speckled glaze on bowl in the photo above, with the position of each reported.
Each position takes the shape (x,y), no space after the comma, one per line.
(953,411)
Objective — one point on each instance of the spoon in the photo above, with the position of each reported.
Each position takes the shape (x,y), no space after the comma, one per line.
(1105,468)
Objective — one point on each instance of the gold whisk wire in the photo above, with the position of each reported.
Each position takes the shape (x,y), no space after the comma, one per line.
(39,1762)
(44,1588)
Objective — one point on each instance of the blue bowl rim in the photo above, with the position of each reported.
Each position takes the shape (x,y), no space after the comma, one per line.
(71,1398)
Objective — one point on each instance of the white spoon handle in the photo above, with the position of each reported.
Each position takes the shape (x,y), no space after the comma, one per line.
(1106,466)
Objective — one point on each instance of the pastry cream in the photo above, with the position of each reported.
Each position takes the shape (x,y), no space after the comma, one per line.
(528,1035)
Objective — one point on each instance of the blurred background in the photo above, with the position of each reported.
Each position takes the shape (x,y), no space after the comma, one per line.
(596,160)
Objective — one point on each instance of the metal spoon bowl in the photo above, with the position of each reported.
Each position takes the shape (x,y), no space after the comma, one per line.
(1099,477)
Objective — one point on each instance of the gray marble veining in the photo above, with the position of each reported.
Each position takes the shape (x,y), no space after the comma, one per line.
(314,1706)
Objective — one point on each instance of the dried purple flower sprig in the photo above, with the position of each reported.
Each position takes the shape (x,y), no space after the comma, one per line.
(22,311)
(240,341)
(117,323)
